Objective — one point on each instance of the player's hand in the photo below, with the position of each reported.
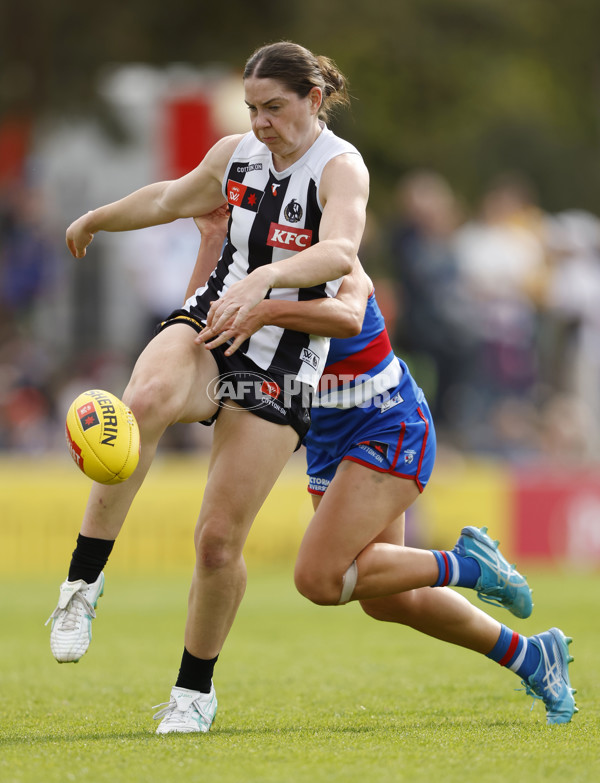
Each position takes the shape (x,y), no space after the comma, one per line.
(214,224)
(253,321)
(78,236)
(239,300)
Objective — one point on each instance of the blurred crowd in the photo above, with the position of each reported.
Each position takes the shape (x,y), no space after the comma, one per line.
(498,311)
(496,308)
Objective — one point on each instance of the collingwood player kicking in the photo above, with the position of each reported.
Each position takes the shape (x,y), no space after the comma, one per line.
(298,196)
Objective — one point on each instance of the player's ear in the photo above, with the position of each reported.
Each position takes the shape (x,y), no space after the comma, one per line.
(315,98)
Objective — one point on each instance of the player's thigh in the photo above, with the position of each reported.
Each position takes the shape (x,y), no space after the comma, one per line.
(248,454)
(173,375)
(392,534)
(360,505)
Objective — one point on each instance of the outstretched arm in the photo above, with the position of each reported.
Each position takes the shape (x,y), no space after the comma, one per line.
(196,193)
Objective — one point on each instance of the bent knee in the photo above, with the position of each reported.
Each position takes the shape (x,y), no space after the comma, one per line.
(152,399)
(319,586)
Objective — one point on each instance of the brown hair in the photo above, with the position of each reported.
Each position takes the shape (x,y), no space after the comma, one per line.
(300,70)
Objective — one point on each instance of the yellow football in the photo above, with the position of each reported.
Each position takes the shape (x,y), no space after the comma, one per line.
(103,437)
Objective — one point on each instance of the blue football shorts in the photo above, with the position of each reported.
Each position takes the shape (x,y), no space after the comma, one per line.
(389,441)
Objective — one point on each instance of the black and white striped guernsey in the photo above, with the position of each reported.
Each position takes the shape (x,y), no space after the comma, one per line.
(274,214)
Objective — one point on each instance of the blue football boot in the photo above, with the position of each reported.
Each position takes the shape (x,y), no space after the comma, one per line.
(550,681)
(500,583)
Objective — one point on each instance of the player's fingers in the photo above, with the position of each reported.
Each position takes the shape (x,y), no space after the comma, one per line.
(219,317)
(211,312)
(239,340)
(208,333)
(222,318)
(240,316)
(222,338)
(204,335)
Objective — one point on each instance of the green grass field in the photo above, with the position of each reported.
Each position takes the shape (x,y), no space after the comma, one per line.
(305,693)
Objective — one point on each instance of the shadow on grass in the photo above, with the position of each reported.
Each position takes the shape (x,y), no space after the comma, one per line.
(407,727)
(149,734)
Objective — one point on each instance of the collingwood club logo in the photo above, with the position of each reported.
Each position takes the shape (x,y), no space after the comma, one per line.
(293,212)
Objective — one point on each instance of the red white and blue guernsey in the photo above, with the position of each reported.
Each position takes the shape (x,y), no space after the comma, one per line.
(274,214)
(369,409)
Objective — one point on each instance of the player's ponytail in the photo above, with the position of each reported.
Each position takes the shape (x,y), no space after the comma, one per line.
(335,92)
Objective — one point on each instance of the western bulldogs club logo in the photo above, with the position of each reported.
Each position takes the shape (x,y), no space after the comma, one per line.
(293,212)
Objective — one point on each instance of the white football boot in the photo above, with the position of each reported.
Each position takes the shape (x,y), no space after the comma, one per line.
(71,630)
(187,711)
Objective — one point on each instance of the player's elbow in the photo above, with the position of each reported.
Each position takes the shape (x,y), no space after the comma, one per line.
(349,325)
(347,257)
(354,319)
(344,256)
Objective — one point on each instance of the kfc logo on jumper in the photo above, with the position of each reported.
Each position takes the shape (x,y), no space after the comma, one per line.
(289,238)
(270,388)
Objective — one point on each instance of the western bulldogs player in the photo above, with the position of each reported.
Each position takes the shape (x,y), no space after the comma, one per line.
(370,452)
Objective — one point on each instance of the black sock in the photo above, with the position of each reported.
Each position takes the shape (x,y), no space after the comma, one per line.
(89,558)
(195,674)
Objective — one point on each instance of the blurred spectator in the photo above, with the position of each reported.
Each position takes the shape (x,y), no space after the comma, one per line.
(27,270)
(574,307)
(27,256)
(431,299)
(25,399)
(566,426)
(504,271)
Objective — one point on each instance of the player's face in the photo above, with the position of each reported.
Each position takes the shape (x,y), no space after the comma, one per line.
(284,122)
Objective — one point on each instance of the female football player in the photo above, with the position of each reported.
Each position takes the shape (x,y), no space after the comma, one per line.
(370,452)
(298,196)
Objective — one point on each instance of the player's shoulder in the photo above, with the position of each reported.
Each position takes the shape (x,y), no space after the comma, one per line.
(217,158)
(226,146)
(343,175)
(347,161)
(338,153)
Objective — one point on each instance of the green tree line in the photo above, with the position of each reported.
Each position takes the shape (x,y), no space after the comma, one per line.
(468,87)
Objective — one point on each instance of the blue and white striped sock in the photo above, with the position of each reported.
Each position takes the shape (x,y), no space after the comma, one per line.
(515,653)
(455,570)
